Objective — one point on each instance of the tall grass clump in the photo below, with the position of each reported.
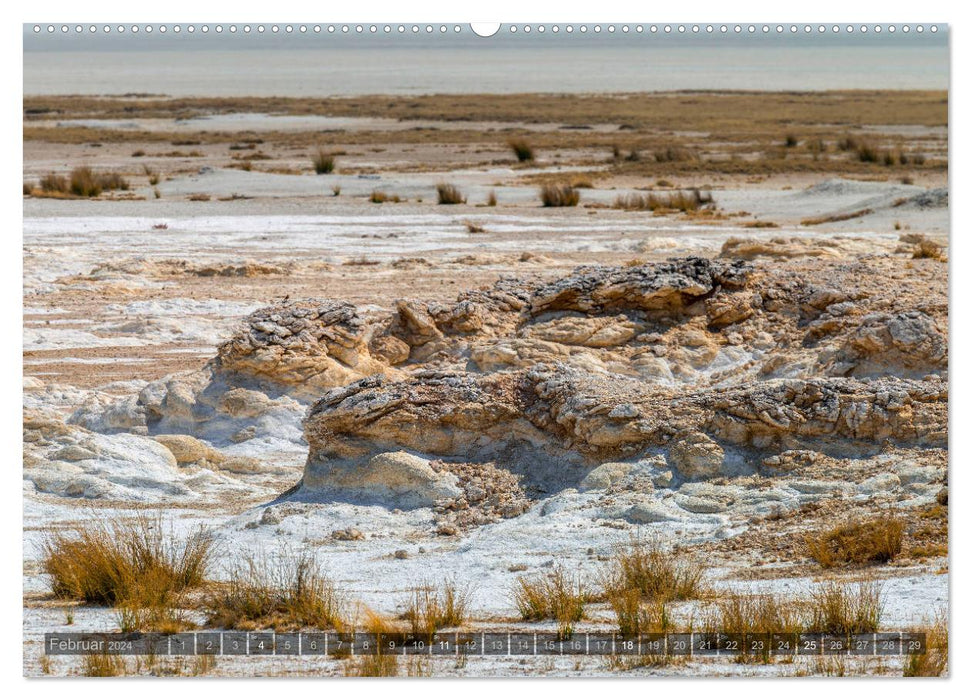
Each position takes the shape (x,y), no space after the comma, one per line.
(559,196)
(933,662)
(524,152)
(84,182)
(54,183)
(323,163)
(554,595)
(841,608)
(867,153)
(691,200)
(371,666)
(654,573)
(130,562)
(449,194)
(874,541)
(286,593)
(103,665)
(432,607)
(111,181)
(635,616)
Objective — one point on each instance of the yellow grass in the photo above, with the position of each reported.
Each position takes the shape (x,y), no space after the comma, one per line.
(124,561)
(934,661)
(655,573)
(284,594)
(372,666)
(553,595)
(691,200)
(524,152)
(873,541)
(845,608)
(449,194)
(559,196)
(433,607)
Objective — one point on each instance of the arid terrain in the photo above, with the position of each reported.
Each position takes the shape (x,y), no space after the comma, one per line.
(498,346)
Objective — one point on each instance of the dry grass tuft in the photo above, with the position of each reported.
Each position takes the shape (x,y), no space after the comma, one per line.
(372,666)
(474,228)
(692,200)
(154,177)
(124,562)
(432,608)
(739,613)
(54,183)
(933,662)
(323,163)
(559,196)
(842,608)
(103,665)
(928,249)
(874,541)
(449,194)
(524,152)
(654,573)
(379,197)
(82,182)
(554,595)
(285,594)
(492,200)
(635,617)
(834,218)
(672,154)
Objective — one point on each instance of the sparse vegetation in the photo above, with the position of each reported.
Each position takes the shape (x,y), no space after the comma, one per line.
(835,218)
(552,595)
(53,183)
(692,200)
(433,607)
(491,201)
(102,665)
(874,541)
(379,197)
(791,141)
(673,154)
(336,189)
(842,608)
(559,196)
(925,248)
(449,194)
(154,177)
(473,227)
(655,573)
(934,661)
(131,562)
(524,152)
(636,616)
(372,666)
(285,594)
(81,182)
(323,163)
